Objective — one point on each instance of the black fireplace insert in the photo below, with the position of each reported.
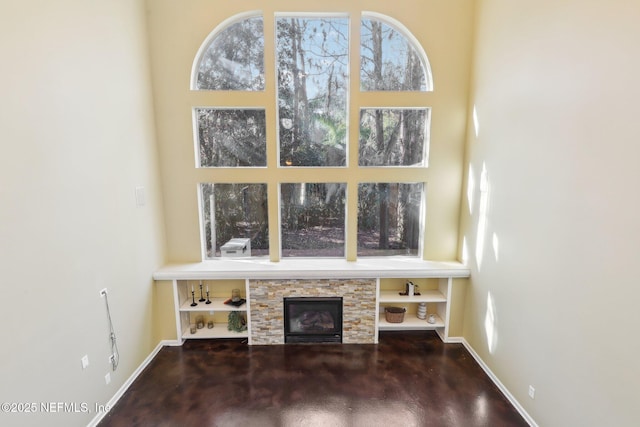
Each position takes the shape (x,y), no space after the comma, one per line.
(313,320)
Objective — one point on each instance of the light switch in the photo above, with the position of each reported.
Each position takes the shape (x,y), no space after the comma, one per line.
(85,361)
(141,198)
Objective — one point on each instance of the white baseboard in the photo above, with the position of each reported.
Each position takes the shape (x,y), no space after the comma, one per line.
(112,402)
(496,381)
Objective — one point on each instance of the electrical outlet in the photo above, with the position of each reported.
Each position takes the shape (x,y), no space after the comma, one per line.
(532,392)
(107,378)
(85,361)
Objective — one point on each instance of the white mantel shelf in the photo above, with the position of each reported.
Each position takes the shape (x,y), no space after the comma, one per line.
(305,268)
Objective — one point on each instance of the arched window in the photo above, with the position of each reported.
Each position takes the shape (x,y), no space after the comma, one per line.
(330,165)
(390,58)
(232,57)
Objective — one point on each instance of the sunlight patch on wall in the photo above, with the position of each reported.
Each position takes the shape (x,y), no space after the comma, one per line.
(490,324)
(476,123)
(471,188)
(482,216)
(496,246)
(465,251)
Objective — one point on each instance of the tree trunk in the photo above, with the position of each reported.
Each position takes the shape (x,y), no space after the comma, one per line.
(383,189)
(300,101)
(383,198)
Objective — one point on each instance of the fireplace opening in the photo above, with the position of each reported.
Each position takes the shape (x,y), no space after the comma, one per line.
(313,320)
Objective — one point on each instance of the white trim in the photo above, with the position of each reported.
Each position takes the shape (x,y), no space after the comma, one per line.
(447,313)
(497,382)
(176,310)
(196,136)
(247,313)
(202,226)
(112,402)
(312,268)
(376,337)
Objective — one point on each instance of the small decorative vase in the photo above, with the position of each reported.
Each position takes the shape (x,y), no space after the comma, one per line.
(200,322)
(422,311)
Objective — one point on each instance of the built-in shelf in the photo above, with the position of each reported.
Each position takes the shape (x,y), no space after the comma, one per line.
(218,331)
(410,322)
(217,304)
(436,277)
(434,293)
(425,296)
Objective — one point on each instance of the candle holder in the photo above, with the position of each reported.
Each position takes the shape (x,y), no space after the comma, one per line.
(208,300)
(201,297)
(193,299)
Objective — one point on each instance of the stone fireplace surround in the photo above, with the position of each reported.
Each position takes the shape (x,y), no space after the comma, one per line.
(266,308)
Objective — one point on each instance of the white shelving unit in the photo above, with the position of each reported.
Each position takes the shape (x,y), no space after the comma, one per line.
(186,314)
(438,303)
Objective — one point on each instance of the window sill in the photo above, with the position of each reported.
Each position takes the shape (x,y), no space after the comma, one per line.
(306,268)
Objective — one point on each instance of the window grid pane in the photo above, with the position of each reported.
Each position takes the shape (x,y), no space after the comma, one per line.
(312,219)
(234,211)
(388,60)
(231,138)
(312,61)
(389,219)
(234,59)
(393,137)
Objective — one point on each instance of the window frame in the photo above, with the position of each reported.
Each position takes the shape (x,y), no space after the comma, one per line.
(274,174)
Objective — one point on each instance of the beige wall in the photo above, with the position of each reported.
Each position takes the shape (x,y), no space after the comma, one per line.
(556,91)
(76,138)
(176,33)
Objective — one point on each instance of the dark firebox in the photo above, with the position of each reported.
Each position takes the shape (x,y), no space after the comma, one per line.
(311,319)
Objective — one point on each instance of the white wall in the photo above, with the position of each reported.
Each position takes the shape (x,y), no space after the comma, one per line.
(76,138)
(556,305)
